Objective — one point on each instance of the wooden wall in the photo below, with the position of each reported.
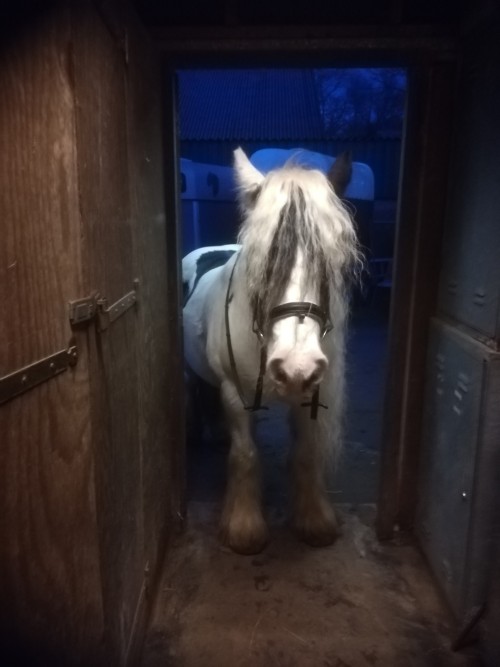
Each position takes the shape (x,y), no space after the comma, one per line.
(49,556)
(86,494)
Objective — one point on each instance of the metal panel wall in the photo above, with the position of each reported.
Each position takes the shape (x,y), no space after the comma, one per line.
(458,446)
(470,283)
(461,441)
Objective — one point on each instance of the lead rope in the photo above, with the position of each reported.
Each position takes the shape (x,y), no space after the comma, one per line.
(232,361)
(327,327)
(314,404)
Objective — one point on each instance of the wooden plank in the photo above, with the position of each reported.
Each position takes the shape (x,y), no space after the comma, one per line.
(150,240)
(160,395)
(171,151)
(417,266)
(99,66)
(50,587)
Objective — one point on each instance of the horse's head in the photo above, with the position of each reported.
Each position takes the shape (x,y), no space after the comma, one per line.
(298,245)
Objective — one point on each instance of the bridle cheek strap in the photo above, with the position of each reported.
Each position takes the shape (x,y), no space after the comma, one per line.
(257,402)
(232,361)
(300,309)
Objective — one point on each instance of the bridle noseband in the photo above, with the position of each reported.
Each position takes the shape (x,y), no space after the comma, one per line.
(300,309)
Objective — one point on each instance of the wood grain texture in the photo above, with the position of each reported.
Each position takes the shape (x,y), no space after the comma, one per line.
(159,406)
(171,150)
(87,460)
(99,65)
(50,589)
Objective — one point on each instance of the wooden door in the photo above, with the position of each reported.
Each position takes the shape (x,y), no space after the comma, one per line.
(87,458)
(50,576)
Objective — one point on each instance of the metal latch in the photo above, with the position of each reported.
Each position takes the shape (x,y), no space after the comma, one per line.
(83,310)
(30,376)
(95,306)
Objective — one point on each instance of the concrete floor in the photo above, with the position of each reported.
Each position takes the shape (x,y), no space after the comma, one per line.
(357,603)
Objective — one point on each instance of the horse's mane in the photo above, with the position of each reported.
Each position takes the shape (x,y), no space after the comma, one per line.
(295,208)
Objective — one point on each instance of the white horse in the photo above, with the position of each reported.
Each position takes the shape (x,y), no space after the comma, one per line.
(269,324)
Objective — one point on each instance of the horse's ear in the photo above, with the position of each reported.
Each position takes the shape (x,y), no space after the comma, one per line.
(340,173)
(248,178)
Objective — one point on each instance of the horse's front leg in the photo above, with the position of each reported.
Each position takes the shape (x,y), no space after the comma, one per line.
(242,526)
(313,515)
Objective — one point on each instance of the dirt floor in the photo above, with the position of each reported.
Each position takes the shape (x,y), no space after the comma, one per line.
(357,603)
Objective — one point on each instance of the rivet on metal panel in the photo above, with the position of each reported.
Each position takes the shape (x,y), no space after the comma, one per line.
(147,578)
(447,570)
(440,376)
(479,296)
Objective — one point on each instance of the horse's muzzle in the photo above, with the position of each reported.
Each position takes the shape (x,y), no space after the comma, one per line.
(299,381)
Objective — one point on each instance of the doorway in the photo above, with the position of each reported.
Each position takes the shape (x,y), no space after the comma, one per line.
(358,601)
(315,113)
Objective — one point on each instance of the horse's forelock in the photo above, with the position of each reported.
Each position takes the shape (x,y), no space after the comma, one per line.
(295,208)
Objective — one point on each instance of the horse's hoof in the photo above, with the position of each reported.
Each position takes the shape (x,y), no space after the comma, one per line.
(317,531)
(317,539)
(247,542)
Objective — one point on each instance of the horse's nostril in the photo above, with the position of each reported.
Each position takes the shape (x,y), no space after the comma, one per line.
(276,368)
(314,377)
(280,375)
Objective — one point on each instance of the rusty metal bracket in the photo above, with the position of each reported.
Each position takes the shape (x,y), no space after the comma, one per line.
(95,307)
(83,310)
(26,378)
(108,314)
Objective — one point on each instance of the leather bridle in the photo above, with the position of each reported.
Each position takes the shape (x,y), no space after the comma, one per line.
(300,309)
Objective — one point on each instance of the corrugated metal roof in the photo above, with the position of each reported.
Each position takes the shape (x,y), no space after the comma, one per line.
(254,104)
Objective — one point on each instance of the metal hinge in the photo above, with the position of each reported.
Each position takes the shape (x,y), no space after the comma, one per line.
(82,311)
(30,376)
